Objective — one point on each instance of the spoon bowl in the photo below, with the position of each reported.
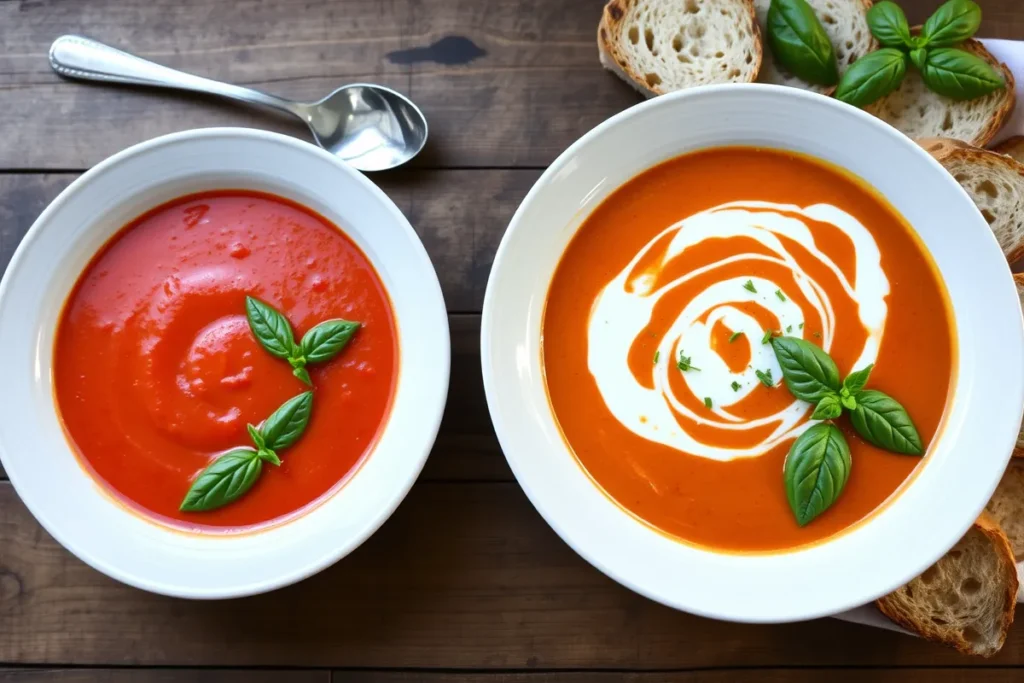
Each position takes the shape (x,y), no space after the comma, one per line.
(371,127)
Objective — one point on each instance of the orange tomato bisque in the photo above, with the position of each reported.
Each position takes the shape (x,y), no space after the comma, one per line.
(655,350)
(156,371)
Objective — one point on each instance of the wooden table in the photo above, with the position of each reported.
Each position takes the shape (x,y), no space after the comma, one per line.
(466,583)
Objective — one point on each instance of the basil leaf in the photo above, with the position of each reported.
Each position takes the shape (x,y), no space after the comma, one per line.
(286,424)
(873,76)
(326,340)
(270,328)
(799,42)
(847,399)
(959,75)
(256,437)
(954,22)
(889,24)
(816,470)
(828,408)
(809,372)
(226,479)
(302,374)
(918,56)
(881,421)
(267,455)
(856,380)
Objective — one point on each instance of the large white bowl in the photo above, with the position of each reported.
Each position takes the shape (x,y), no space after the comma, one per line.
(899,542)
(38,459)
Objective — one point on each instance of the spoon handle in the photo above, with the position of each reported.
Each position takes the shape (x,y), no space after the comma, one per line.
(85,59)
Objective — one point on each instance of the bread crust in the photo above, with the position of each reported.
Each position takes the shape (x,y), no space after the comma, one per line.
(944,149)
(893,606)
(609,32)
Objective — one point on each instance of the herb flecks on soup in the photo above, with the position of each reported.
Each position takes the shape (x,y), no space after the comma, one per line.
(657,339)
(157,372)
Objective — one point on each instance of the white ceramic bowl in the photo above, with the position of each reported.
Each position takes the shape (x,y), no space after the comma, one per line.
(899,542)
(38,460)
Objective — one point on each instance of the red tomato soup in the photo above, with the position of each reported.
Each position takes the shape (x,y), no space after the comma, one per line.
(156,372)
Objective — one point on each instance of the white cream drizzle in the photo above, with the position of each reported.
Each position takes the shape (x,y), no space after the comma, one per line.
(623,310)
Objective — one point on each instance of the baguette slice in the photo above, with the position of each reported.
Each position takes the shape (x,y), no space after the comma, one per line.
(845,22)
(1007,506)
(1012,147)
(1018,450)
(996,184)
(919,113)
(967,598)
(658,46)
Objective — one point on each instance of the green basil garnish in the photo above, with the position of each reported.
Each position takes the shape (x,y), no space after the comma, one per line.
(882,421)
(286,424)
(952,23)
(888,24)
(810,373)
(816,471)
(959,75)
(270,328)
(799,42)
(828,408)
(857,379)
(326,340)
(873,76)
(225,480)
(918,57)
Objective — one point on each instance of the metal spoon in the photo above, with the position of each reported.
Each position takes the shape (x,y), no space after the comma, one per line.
(371,127)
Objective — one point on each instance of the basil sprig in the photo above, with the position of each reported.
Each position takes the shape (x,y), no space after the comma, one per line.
(799,42)
(228,477)
(274,333)
(818,463)
(945,70)
(816,471)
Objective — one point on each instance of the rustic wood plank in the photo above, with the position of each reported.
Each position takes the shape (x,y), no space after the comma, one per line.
(463,576)
(815,675)
(536,87)
(43,675)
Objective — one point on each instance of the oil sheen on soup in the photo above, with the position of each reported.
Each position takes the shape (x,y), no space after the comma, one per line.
(697,258)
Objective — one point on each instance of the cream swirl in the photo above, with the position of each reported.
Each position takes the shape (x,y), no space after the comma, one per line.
(623,311)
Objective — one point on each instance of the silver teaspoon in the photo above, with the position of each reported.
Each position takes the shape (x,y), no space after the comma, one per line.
(371,127)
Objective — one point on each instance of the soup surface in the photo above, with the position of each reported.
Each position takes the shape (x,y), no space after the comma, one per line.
(157,373)
(694,260)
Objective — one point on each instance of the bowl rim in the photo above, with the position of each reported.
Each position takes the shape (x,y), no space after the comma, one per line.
(431,418)
(504,430)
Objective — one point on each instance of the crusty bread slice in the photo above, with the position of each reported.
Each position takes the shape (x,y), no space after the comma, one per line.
(1007,506)
(996,184)
(1012,147)
(967,598)
(919,113)
(663,45)
(845,22)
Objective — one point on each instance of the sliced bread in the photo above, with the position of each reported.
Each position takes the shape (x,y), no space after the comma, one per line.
(1007,506)
(919,113)
(996,184)
(663,45)
(845,22)
(967,598)
(1012,147)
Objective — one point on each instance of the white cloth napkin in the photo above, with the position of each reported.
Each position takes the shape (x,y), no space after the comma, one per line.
(1011,53)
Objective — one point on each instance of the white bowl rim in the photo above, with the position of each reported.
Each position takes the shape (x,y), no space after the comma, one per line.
(433,421)
(504,431)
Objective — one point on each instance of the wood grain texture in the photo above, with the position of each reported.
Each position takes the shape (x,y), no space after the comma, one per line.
(814,675)
(464,576)
(43,675)
(538,87)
